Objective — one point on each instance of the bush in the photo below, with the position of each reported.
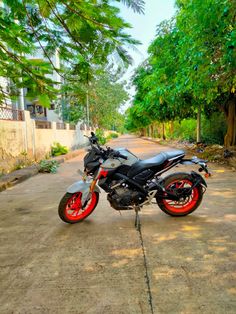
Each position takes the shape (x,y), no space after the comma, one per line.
(114,135)
(111,136)
(57,149)
(101,137)
(185,130)
(49,166)
(108,138)
(22,161)
(214,128)
(212,132)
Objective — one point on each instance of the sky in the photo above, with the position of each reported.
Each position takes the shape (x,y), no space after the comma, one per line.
(144,29)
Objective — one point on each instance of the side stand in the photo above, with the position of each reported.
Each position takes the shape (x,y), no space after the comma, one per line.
(137,219)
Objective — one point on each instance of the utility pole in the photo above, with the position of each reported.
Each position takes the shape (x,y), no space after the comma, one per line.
(21,100)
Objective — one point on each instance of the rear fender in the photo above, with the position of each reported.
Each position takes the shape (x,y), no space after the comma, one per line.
(199,178)
(83,187)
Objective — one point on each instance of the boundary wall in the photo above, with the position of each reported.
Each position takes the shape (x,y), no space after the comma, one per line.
(24,138)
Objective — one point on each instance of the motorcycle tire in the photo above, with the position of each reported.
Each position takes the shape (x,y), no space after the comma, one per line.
(70,208)
(187,204)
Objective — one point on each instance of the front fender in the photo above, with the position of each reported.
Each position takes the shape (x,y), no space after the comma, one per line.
(197,176)
(81,186)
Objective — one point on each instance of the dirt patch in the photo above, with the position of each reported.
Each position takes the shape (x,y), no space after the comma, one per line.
(213,153)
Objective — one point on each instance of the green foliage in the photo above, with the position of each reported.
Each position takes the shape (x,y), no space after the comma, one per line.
(22,161)
(214,129)
(192,62)
(87,34)
(111,136)
(73,112)
(101,136)
(185,130)
(114,135)
(136,118)
(117,123)
(208,27)
(57,149)
(105,99)
(20,164)
(105,96)
(49,166)
(44,100)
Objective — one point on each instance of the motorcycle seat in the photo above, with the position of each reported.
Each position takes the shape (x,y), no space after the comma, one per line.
(155,162)
(175,154)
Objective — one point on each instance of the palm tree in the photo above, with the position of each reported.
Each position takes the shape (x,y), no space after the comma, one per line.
(136,5)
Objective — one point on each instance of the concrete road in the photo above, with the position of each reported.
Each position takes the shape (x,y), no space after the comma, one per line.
(98,266)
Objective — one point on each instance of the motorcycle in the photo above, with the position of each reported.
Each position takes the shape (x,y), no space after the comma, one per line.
(131,183)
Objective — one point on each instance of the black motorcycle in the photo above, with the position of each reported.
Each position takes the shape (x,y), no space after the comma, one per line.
(131,183)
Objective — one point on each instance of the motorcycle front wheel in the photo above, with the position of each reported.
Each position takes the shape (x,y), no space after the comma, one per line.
(175,183)
(70,208)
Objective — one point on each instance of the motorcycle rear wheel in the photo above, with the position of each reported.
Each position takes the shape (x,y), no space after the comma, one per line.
(70,208)
(187,204)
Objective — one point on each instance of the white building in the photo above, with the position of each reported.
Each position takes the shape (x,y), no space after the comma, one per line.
(36,110)
(25,103)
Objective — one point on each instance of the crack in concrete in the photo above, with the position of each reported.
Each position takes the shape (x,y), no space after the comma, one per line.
(189,283)
(145,263)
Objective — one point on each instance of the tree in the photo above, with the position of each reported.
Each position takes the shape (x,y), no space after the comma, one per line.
(105,98)
(208,55)
(157,94)
(137,116)
(170,101)
(86,33)
(136,120)
(192,64)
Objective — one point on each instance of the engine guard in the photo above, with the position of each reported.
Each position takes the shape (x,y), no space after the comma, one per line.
(83,187)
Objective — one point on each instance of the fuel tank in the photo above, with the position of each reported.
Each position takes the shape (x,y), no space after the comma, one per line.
(131,158)
(113,163)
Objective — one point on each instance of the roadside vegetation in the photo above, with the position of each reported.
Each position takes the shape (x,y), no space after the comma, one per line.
(57,149)
(186,88)
(48,166)
(102,138)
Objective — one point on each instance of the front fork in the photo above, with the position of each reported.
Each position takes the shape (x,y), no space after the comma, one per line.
(85,186)
(89,193)
(93,186)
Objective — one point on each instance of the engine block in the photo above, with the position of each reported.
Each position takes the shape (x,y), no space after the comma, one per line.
(122,198)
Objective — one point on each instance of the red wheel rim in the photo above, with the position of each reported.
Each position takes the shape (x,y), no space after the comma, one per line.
(187,203)
(74,210)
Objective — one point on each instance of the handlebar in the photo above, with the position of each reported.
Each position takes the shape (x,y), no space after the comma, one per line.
(106,153)
(116,154)
(122,156)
